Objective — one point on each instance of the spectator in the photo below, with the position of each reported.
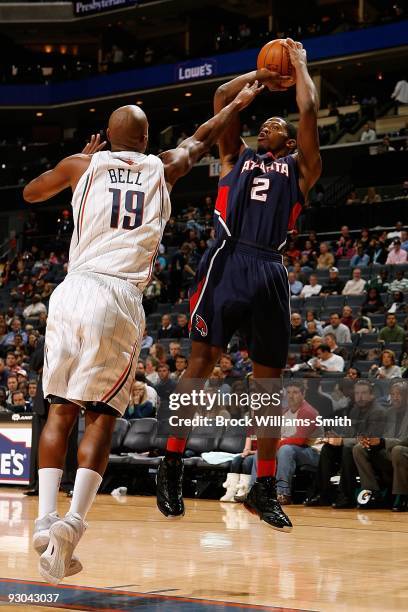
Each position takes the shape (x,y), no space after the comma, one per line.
(165,386)
(397,255)
(377,251)
(400,283)
(325,261)
(387,369)
(243,363)
(3,373)
(295,285)
(326,361)
(179,266)
(400,94)
(312,289)
(353,198)
(182,324)
(356,285)
(334,285)
(347,316)
(360,258)
(239,475)
(392,332)
(181,366)
(18,402)
(11,363)
(174,349)
(380,281)
(34,308)
(227,369)
(32,392)
(311,317)
(167,330)
(312,330)
(371,197)
(404,237)
(353,373)
(384,461)
(337,453)
(373,302)
(147,341)
(368,134)
(397,232)
(336,327)
(330,340)
(296,444)
(386,146)
(151,370)
(3,402)
(16,328)
(398,304)
(298,332)
(12,385)
(139,407)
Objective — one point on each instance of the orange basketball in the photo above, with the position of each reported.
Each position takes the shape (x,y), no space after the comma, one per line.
(275,57)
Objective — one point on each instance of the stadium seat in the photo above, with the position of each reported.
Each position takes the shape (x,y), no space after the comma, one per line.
(119,433)
(140,435)
(355,300)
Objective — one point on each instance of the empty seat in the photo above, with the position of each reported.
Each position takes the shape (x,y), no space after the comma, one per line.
(119,433)
(233,440)
(366,339)
(335,301)
(140,435)
(203,440)
(364,366)
(355,300)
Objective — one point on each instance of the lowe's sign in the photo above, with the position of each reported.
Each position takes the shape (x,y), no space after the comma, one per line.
(15,447)
(198,69)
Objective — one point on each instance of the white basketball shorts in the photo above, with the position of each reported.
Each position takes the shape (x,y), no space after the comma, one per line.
(92,342)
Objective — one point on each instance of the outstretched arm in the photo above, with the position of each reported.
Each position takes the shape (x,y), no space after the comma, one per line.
(230,142)
(309,160)
(178,162)
(65,174)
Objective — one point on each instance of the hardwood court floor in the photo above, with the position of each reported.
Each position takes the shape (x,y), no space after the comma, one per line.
(333,560)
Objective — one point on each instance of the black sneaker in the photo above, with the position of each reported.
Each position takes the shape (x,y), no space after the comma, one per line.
(169,491)
(400,503)
(262,501)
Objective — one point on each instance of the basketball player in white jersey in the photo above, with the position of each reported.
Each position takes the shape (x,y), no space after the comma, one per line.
(94,330)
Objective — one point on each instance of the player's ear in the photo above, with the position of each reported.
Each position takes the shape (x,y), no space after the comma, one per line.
(291,144)
(108,134)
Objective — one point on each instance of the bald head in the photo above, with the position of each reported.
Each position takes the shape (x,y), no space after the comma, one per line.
(128,129)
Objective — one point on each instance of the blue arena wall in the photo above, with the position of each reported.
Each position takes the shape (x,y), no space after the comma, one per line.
(138,80)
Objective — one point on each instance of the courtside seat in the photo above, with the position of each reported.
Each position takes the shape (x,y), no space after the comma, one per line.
(140,435)
(203,440)
(119,433)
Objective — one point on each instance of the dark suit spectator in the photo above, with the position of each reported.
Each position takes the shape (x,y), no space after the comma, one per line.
(337,452)
(334,285)
(298,332)
(167,330)
(383,461)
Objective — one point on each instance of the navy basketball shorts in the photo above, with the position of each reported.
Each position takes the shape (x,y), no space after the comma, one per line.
(241,287)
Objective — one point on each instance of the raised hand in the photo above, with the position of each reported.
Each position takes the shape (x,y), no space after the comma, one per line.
(94,145)
(296,52)
(273,80)
(248,94)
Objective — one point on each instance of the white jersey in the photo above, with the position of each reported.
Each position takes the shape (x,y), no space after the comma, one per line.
(120,206)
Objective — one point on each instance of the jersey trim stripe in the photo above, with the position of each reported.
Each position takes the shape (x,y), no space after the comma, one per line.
(121,380)
(295,212)
(197,296)
(80,206)
(221,203)
(83,204)
(153,259)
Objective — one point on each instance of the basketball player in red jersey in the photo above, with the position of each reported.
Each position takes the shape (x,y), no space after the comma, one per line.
(241,281)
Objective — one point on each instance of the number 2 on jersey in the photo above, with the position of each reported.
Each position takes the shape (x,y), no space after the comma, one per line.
(259,189)
(135,209)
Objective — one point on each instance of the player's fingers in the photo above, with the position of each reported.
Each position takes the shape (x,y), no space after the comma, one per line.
(101,146)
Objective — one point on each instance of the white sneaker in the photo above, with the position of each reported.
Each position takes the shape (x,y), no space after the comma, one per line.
(65,534)
(41,539)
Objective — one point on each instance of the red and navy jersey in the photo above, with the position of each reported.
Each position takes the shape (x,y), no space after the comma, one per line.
(259,200)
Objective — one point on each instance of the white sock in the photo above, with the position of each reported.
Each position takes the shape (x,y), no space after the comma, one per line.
(48,486)
(87,483)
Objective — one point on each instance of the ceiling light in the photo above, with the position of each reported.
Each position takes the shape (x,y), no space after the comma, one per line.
(39,114)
